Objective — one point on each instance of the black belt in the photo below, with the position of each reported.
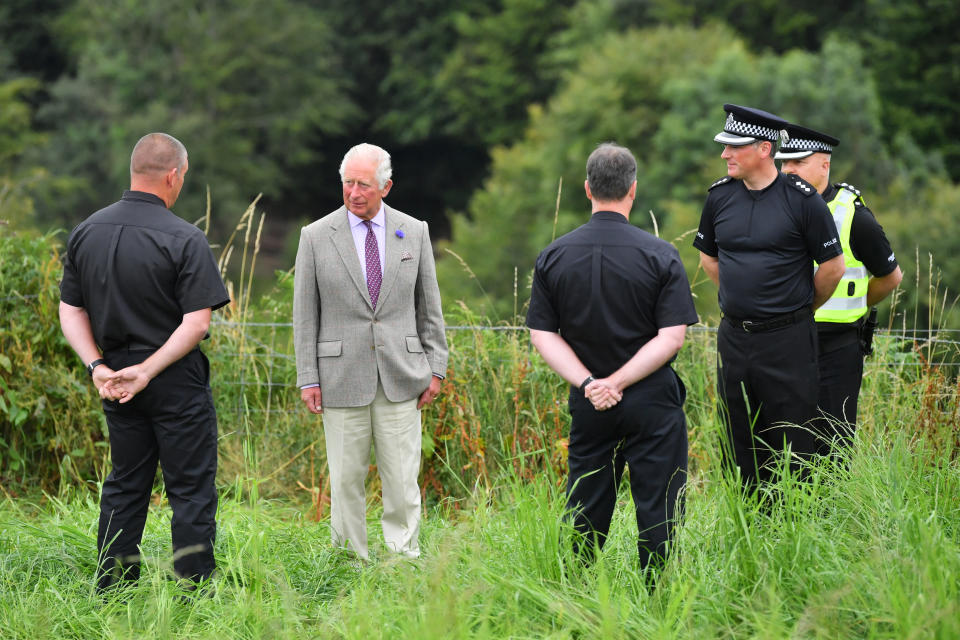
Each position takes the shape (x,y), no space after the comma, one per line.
(771,323)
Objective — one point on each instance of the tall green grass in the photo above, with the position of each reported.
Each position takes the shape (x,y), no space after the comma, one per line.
(501,414)
(868,548)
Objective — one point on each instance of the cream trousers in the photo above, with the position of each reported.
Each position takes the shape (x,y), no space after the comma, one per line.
(394,430)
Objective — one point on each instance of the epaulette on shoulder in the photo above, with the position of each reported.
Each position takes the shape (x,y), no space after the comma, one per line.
(847,186)
(852,189)
(723,180)
(800,185)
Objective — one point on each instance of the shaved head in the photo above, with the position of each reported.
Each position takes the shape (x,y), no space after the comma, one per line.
(157,153)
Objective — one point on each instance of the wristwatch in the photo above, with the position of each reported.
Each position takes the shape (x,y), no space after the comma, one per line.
(93,365)
(583,385)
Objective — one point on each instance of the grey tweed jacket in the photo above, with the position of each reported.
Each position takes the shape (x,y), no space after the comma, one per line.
(345,344)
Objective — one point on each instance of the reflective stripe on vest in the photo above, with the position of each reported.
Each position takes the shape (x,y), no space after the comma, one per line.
(849,301)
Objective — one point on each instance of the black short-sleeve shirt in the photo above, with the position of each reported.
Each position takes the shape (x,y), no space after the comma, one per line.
(136,268)
(766,242)
(608,287)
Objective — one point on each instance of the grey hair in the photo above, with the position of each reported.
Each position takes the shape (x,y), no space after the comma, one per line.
(157,153)
(611,170)
(373,152)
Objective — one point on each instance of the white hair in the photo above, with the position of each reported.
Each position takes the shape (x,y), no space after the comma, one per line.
(373,152)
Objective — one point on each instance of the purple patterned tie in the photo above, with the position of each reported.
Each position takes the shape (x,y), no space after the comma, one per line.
(374,275)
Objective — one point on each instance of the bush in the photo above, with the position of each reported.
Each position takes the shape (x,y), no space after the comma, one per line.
(51,426)
(501,416)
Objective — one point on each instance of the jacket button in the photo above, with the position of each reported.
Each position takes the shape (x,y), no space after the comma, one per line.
(373,348)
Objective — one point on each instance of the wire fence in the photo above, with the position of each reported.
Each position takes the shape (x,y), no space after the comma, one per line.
(267,361)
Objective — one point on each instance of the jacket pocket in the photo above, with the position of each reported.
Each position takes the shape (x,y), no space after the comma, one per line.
(329,348)
(413,344)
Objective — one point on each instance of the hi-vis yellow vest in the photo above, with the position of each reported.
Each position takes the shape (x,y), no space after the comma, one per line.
(849,301)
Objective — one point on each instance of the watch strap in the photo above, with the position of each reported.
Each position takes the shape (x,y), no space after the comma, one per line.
(586,381)
(93,365)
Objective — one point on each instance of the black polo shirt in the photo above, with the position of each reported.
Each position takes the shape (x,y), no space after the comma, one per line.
(766,242)
(608,287)
(137,269)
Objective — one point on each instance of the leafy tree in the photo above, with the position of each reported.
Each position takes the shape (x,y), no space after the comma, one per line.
(21,181)
(27,36)
(440,82)
(915,59)
(919,216)
(16,205)
(659,92)
(498,68)
(766,25)
(616,93)
(247,86)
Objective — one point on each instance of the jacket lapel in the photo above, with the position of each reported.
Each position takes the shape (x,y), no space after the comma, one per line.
(391,252)
(342,238)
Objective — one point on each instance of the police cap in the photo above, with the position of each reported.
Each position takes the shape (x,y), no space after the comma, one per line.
(803,142)
(746,125)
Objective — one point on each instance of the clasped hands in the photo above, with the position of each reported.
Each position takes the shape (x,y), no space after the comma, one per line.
(603,394)
(120,385)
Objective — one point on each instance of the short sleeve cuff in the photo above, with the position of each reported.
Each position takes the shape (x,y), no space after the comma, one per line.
(712,252)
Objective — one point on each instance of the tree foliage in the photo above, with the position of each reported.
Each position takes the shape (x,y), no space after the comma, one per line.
(658,91)
(20,181)
(507,95)
(246,85)
(915,59)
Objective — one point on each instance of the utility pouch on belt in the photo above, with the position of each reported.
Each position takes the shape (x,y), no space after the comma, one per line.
(866,332)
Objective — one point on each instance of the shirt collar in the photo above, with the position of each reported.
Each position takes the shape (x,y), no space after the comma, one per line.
(378,220)
(829,192)
(611,216)
(130,194)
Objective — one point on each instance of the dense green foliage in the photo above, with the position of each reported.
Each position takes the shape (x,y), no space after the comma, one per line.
(231,83)
(501,414)
(487,106)
(267,96)
(658,91)
(869,547)
(52,431)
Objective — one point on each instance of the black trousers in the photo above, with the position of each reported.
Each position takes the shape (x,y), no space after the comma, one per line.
(172,421)
(841,372)
(648,431)
(767,385)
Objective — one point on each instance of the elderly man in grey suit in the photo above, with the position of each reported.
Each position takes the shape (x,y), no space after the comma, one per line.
(370,347)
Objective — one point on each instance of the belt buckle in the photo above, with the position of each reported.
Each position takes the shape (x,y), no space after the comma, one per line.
(746,324)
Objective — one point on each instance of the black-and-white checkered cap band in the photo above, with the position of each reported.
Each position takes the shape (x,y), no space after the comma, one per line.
(736,132)
(800,148)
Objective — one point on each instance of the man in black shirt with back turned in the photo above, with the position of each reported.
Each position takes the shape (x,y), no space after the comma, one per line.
(608,312)
(139,286)
(871,274)
(759,236)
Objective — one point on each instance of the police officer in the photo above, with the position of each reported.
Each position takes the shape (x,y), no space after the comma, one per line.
(760,232)
(871,274)
(139,286)
(608,312)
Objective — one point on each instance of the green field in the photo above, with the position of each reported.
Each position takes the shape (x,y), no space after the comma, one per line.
(868,548)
